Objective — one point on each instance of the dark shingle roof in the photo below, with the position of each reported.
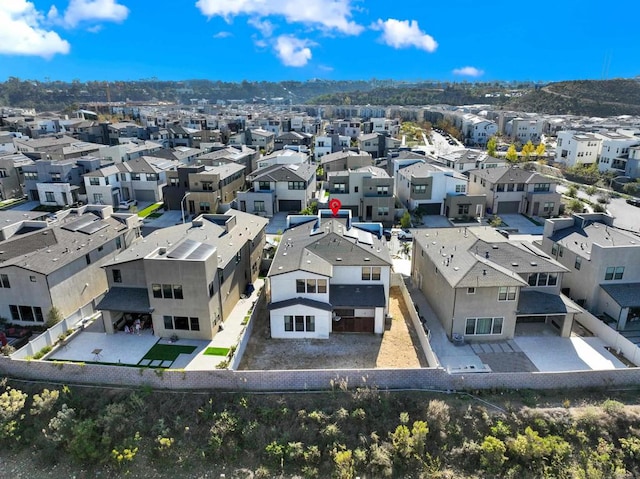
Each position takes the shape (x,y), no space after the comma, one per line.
(300,172)
(627,295)
(299,302)
(357,296)
(535,302)
(131,300)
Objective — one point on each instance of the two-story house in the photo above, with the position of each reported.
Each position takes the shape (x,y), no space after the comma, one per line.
(366,191)
(575,148)
(292,138)
(141,179)
(279,188)
(43,265)
(512,190)
(11,176)
(614,151)
(602,260)
(261,140)
(434,190)
(283,157)
(328,275)
(482,286)
(345,160)
(324,145)
(58,182)
(466,160)
(202,189)
(186,278)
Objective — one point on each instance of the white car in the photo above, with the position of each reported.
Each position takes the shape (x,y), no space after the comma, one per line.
(405,235)
(126,204)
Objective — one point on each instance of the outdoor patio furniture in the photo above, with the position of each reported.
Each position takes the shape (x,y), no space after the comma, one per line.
(97,354)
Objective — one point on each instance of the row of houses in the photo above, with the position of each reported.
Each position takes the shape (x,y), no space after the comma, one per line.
(332,274)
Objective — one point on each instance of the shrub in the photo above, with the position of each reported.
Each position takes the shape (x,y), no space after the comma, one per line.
(572,191)
(438,414)
(54,316)
(343,461)
(611,406)
(12,402)
(492,456)
(43,402)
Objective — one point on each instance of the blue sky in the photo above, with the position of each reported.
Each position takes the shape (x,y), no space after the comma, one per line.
(273,40)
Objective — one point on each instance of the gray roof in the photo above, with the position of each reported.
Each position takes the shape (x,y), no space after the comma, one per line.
(511,175)
(211,232)
(319,245)
(299,172)
(340,155)
(299,302)
(627,295)
(580,240)
(424,170)
(536,302)
(356,296)
(481,257)
(49,249)
(130,300)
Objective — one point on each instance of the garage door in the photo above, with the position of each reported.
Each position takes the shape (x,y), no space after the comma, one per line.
(431,208)
(290,205)
(508,207)
(145,195)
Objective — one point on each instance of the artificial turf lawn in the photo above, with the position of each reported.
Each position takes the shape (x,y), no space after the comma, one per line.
(167,352)
(211,351)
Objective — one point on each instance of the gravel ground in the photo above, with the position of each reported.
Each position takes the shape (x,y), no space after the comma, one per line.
(397,348)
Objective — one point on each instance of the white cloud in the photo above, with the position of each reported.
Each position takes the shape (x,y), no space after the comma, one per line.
(94,10)
(22,31)
(292,51)
(223,35)
(468,71)
(324,14)
(404,34)
(264,26)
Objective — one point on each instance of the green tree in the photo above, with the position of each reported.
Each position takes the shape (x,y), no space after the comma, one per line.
(572,191)
(496,221)
(575,206)
(492,144)
(528,149)
(512,154)
(405,221)
(53,317)
(540,150)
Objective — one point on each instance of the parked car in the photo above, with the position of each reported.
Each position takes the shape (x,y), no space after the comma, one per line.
(634,202)
(126,204)
(387,234)
(405,235)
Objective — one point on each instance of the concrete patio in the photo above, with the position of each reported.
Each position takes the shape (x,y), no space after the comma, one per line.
(94,345)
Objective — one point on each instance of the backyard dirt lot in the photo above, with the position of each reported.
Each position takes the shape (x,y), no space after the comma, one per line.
(397,348)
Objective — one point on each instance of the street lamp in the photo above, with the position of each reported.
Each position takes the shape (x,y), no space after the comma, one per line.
(182,205)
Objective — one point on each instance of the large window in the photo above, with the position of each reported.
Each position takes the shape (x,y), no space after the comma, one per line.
(339,188)
(264,185)
(578,262)
(421,189)
(207,186)
(94,181)
(614,272)
(167,291)
(543,279)
(311,286)
(300,323)
(383,211)
(461,188)
(4,281)
(484,326)
(258,206)
(382,190)
(296,185)
(463,210)
(49,197)
(117,275)
(541,187)
(26,313)
(549,207)
(183,323)
(507,293)
(371,273)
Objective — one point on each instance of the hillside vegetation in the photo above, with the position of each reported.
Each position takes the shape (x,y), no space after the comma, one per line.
(586,97)
(100,432)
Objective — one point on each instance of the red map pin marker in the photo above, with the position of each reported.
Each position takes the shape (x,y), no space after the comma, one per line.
(335,206)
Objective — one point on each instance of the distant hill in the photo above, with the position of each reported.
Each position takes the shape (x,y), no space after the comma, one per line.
(582,97)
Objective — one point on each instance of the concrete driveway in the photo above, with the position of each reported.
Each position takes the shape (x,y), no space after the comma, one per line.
(277,224)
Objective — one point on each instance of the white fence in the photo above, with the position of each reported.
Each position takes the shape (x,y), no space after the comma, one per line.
(246,332)
(610,336)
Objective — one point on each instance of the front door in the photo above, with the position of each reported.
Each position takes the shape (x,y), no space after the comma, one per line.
(369,212)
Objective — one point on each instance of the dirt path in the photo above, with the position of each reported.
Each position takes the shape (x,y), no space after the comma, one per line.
(400,347)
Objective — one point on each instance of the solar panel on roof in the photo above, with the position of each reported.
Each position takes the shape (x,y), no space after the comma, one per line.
(79,223)
(183,250)
(202,252)
(93,227)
